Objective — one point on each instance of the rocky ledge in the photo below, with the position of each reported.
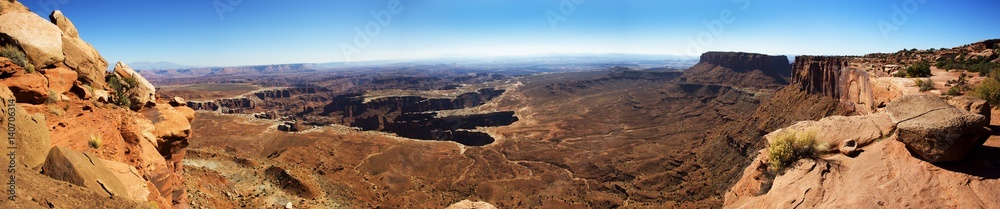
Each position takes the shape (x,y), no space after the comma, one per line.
(80,142)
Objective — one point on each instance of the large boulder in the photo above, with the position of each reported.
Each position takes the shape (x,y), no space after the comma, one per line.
(30,133)
(84,170)
(40,40)
(834,131)
(60,79)
(936,131)
(169,123)
(135,186)
(12,6)
(971,104)
(63,23)
(27,87)
(144,93)
(80,56)
(469,204)
(187,111)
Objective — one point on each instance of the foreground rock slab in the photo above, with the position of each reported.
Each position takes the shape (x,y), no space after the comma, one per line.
(935,130)
(884,176)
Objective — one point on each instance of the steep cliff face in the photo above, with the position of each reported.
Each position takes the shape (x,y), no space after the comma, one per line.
(740,69)
(841,78)
(82,151)
(896,142)
(415,117)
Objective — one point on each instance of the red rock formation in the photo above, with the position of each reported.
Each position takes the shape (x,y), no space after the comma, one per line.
(739,69)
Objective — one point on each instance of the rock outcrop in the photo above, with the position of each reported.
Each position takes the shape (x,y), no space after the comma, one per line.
(853,81)
(294,182)
(40,40)
(80,55)
(835,130)
(128,157)
(468,204)
(739,69)
(143,94)
(84,170)
(61,79)
(936,131)
(30,134)
(170,129)
(27,87)
(885,175)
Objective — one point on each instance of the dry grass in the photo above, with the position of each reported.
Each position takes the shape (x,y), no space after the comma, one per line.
(790,146)
(95,141)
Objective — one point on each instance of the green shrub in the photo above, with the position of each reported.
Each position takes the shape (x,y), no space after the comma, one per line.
(954,91)
(924,84)
(17,56)
(790,146)
(122,88)
(989,89)
(919,69)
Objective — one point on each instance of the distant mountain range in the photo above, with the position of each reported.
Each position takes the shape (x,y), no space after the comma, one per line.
(143,65)
(526,64)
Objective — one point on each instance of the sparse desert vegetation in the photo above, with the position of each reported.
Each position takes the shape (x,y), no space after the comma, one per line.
(790,146)
(14,54)
(989,89)
(924,84)
(95,141)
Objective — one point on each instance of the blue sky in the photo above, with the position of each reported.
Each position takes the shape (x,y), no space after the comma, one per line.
(248,32)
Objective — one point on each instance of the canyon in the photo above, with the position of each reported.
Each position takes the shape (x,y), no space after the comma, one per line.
(504,134)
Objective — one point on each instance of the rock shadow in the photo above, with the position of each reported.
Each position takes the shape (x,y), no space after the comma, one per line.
(983,162)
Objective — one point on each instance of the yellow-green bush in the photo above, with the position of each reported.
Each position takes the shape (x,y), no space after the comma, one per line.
(989,89)
(790,146)
(924,84)
(95,141)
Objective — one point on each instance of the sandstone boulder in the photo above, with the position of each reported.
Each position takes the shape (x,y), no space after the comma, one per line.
(135,185)
(63,23)
(40,40)
(144,93)
(82,91)
(187,111)
(936,131)
(102,96)
(832,131)
(971,104)
(83,170)
(468,204)
(177,101)
(27,87)
(169,123)
(60,79)
(85,60)
(12,6)
(885,176)
(80,56)
(31,135)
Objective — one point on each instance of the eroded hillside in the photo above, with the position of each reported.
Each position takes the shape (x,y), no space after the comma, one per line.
(81,137)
